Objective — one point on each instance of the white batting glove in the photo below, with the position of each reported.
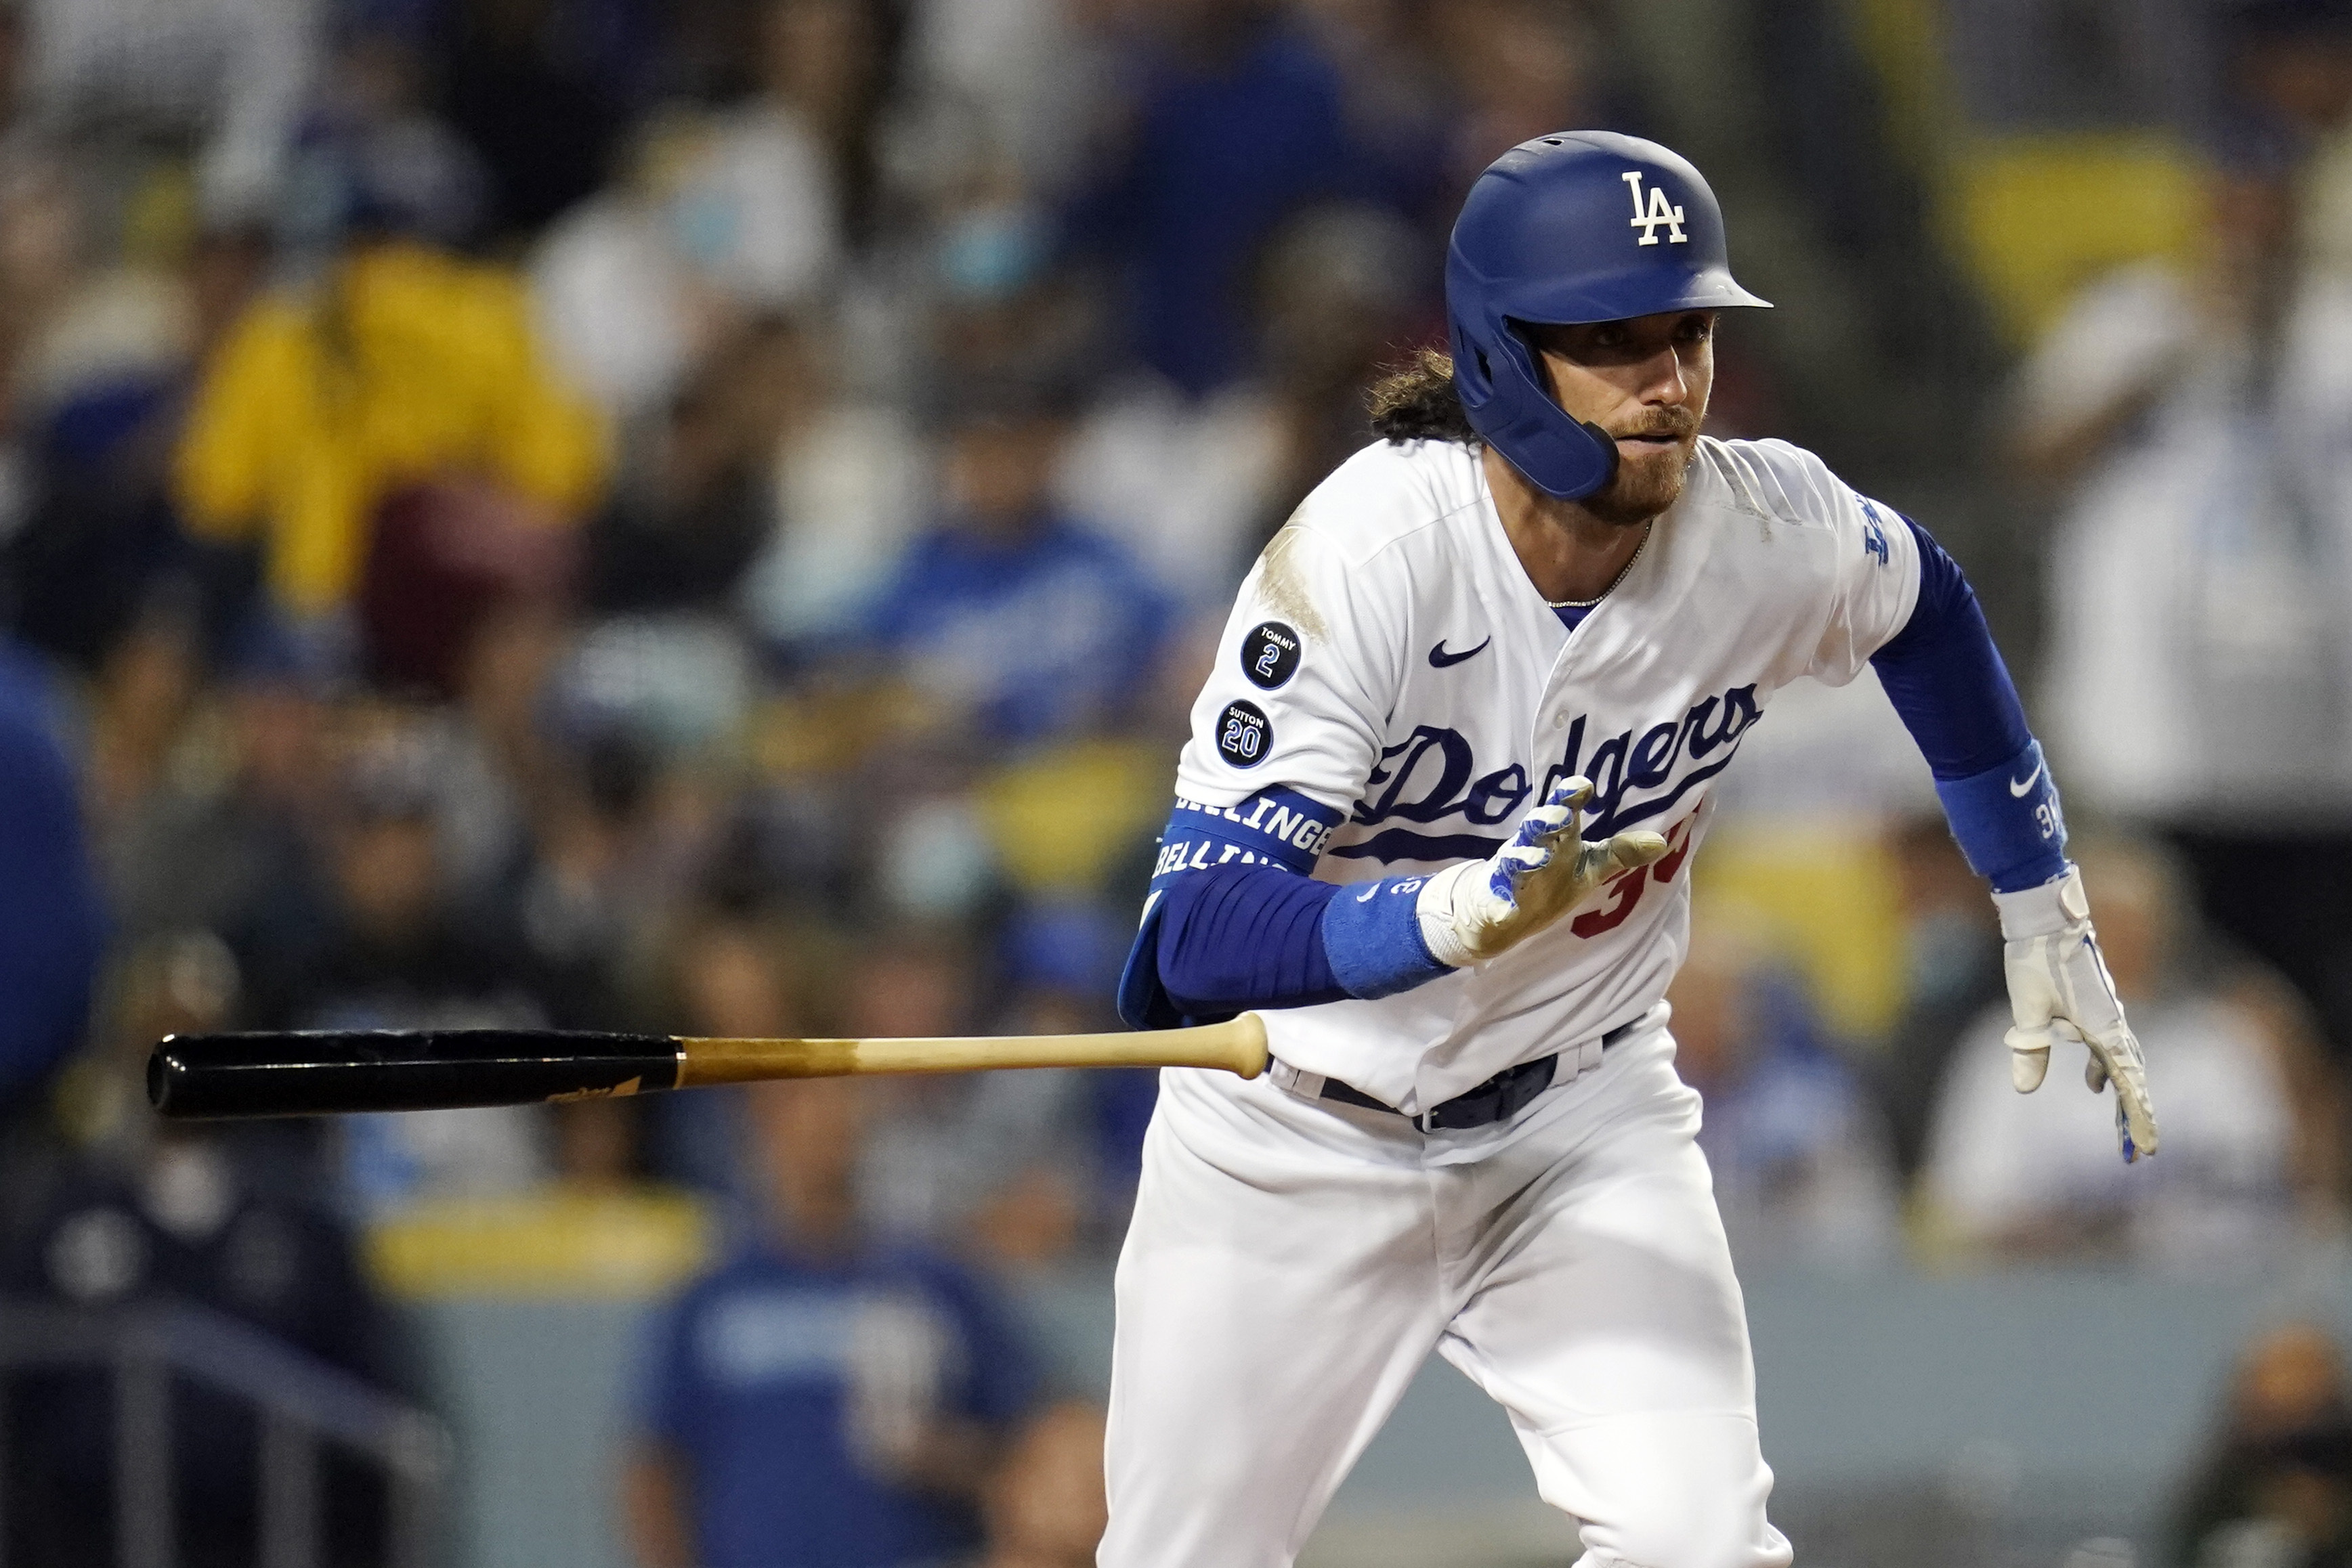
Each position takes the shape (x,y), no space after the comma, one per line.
(2059,989)
(1473,911)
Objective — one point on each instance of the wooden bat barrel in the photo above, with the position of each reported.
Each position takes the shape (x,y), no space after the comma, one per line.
(321,1072)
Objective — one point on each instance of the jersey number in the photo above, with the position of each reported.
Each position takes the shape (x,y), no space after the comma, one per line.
(1242,738)
(1624,890)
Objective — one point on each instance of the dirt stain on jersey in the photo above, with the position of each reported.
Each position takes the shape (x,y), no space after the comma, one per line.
(1283,586)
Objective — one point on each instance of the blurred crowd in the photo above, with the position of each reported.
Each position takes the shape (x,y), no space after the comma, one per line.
(594,514)
(706,518)
(701,518)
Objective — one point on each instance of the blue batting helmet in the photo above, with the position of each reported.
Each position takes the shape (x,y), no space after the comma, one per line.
(1585,226)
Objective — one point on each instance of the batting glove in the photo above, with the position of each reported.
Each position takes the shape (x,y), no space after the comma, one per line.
(2059,989)
(1478,909)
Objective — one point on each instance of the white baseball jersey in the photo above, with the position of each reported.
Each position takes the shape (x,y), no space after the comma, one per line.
(1388,659)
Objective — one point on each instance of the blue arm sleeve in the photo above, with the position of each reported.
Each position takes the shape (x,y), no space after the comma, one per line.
(1244,936)
(1234,921)
(1954,694)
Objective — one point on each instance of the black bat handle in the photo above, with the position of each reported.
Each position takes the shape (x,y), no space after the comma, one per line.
(327,1071)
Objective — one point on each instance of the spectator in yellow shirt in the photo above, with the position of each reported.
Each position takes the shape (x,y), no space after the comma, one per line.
(400,365)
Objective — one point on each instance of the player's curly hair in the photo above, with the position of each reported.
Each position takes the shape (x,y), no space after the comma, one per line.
(1414,401)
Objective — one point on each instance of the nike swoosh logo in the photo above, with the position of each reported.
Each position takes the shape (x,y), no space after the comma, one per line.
(1439,658)
(2021,791)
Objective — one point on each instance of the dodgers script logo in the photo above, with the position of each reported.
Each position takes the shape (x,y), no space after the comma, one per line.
(1659,212)
(1433,775)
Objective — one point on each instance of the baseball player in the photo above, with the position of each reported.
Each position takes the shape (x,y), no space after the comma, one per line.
(1435,821)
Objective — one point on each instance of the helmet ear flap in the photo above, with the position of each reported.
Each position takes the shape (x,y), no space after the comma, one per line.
(1608,445)
(1566,458)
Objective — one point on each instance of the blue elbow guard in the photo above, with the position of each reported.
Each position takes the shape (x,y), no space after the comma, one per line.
(2008,821)
(1372,934)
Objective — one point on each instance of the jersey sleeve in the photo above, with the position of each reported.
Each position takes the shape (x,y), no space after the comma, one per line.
(1285,733)
(1875,582)
(1301,688)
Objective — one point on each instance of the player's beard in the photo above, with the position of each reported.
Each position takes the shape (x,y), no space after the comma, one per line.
(1646,485)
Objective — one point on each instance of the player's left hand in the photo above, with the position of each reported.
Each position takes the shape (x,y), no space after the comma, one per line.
(2059,989)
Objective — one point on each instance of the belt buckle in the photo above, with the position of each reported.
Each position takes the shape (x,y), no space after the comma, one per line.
(1499,1099)
(1428,1120)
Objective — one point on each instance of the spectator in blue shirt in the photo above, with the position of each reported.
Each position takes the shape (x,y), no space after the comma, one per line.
(1239,120)
(1028,627)
(51,925)
(821,1399)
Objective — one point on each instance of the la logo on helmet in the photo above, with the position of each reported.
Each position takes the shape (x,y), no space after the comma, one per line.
(1659,212)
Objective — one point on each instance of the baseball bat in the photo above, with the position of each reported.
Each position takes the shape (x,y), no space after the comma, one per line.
(329,1072)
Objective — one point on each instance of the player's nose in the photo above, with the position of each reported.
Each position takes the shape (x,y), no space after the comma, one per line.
(1666,380)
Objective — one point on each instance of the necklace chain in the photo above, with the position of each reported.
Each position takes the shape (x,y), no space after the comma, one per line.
(1589,603)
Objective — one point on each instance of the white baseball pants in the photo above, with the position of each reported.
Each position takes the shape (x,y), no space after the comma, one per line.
(1292,1264)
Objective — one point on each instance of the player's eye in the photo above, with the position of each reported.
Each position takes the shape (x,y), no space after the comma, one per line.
(1696,329)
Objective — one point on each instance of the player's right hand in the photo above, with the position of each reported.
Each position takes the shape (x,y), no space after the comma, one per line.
(1476,910)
